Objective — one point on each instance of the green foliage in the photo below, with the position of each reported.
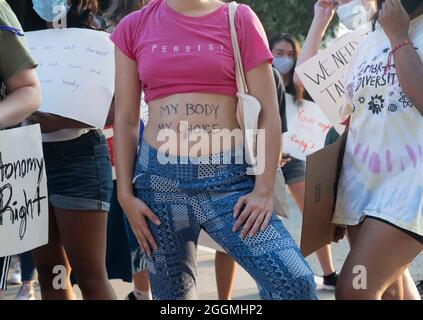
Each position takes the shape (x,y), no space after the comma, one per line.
(292,16)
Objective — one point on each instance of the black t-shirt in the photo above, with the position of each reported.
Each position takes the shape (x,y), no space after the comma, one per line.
(281,99)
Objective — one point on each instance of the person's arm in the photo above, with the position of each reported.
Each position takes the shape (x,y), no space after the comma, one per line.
(111,116)
(254,210)
(261,85)
(23,98)
(409,66)
(125,143)
(323,14)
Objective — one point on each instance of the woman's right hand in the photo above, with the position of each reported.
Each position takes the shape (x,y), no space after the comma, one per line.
(324,10)
(138,213)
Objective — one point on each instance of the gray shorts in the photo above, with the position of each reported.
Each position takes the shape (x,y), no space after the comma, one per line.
(294,171)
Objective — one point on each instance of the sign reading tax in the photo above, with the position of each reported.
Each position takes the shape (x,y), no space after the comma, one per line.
(23,191)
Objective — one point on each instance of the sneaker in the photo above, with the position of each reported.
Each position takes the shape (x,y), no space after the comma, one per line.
(16,275)
(329,281)
(131,296)
(26,292)
(419,285)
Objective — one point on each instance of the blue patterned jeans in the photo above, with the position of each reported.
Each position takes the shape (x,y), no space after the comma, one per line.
(188,197)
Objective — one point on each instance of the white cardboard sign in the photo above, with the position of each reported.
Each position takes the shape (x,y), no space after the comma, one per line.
(76,71)
(307,128)
(23,191)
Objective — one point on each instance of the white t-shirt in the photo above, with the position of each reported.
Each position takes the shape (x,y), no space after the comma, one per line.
(382,174)
(65,134)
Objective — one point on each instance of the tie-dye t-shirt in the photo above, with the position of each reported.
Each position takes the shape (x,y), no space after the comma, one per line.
(382,173)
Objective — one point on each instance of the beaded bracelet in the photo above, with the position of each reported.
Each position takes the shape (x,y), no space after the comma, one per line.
(391,54)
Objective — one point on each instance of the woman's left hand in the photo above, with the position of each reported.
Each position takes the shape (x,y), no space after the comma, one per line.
(395,21)
(254,211)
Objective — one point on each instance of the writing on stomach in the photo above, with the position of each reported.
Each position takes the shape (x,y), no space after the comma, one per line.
(194,124)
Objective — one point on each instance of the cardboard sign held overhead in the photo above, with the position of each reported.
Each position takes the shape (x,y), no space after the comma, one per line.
(23,191)
(323,169)
(323,75)
(76,71)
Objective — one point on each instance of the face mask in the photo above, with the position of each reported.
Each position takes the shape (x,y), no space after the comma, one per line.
(353,14)
(283,64)
(411,5)
(51,10)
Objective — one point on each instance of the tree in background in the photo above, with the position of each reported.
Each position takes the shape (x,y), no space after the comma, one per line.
(292,16)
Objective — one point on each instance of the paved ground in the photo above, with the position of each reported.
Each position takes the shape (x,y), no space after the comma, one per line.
(244,286)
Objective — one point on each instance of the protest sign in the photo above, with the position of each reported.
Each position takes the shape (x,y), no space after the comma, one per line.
(23,191)
(307,128)
(76,71)
(323,169)
(323,75)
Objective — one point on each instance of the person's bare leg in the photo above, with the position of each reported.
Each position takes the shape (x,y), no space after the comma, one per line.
(324,255)
(142,290)
(396,290)
(225,267)
(410,289)
(46,258)
(142,281)
(371,268)
(84,239)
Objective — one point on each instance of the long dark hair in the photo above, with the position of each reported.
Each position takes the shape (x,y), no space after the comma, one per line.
(121,8)
(79,16)
(296,90)
(81,13)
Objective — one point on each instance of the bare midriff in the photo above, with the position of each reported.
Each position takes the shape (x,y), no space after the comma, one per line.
(195,123)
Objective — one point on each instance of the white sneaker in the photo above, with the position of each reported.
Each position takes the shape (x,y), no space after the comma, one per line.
(26,292)
(16,277)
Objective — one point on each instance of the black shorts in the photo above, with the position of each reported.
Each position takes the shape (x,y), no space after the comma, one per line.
(416,236)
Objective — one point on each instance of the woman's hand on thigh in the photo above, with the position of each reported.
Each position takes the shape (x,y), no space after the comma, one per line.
(254,211)
(138,213)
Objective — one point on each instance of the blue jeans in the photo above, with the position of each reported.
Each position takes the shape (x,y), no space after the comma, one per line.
(79,173)
(190,197)
(27,266)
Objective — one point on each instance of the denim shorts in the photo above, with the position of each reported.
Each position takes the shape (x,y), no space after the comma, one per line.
(79,173)
(294,171)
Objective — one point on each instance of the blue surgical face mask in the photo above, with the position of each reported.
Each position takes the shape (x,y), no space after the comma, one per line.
(283,64)
(51,10)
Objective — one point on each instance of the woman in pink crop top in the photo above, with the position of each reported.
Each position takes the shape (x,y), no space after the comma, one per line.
(179,53)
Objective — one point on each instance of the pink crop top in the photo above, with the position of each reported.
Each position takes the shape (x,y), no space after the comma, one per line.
(176,53)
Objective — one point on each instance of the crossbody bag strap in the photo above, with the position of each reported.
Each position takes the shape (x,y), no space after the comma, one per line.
(239,69)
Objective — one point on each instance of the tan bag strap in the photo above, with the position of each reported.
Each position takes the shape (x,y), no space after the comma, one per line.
(239,69)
